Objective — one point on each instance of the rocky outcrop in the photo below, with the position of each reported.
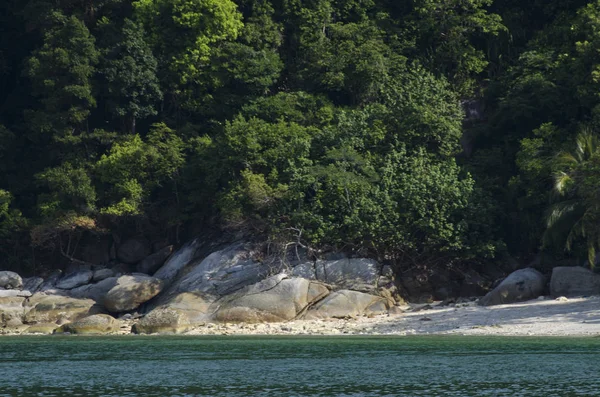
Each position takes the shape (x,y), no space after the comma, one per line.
(75,279)
(10,280)
(95,324)
(42,308)
(521,285)
(359,274)
(222,272)
(346,303)
(574,281)
(130,292)
(178,261)
(277,298)
(150,264)
(134,250)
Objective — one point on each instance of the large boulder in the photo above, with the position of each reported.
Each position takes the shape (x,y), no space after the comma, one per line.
(223,272)
(277,298)
(346,303)
(102,274)
(150,264)
(181,258)
(130,292)
(164,320)
(520,285)
(96,291)
(574,281)
(358,274)
(95,324)
(134,250)
(10,280)
(32,284)
(75,279)
(57,309)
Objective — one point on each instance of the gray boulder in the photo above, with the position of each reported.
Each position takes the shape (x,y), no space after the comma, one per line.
(574,281)
(178,261)
(10,280)
(51,280)
(75,279)
(304,270)
(134,250)
(32,284)
(130,292)
(358,274)
(277,298)
(223,272)
(150,264)
(102,274)
(346,303)
(163,320)
(520,285)
(96,291)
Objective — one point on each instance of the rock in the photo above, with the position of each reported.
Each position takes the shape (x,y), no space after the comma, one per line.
(96,291)
(11,308)
(574,281)
(58,309)
(150,264)
(346,303)
(358,274)
(41,328)
(163,320)
(102,274)
(178,261)
(95,324)
(134,250)
(50,281)
(223,272)
(304,270)
(32,284)
(520,285)
(10,280)
(75,280)
(130,292)
(277,298)
(10,293)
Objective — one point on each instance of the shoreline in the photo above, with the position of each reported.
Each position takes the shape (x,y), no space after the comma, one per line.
(561,317)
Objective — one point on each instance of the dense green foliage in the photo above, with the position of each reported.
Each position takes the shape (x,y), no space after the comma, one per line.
(423,132)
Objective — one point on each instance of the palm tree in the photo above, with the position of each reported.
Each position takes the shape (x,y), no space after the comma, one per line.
(576,213)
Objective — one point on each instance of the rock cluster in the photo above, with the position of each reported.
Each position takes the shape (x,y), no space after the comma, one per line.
(173,292)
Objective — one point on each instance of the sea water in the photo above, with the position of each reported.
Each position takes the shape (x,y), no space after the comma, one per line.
(298,366)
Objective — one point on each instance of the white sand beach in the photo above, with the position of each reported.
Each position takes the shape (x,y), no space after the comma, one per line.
(540,317)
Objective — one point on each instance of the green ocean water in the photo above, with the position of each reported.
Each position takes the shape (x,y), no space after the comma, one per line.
(299,366)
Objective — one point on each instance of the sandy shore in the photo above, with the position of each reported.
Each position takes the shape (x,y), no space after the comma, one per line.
(543,317)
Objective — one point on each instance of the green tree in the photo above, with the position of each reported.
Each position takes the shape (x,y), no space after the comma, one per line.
(60,73)
(129,70)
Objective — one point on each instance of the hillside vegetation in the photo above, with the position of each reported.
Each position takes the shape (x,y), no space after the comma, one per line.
(422,132)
